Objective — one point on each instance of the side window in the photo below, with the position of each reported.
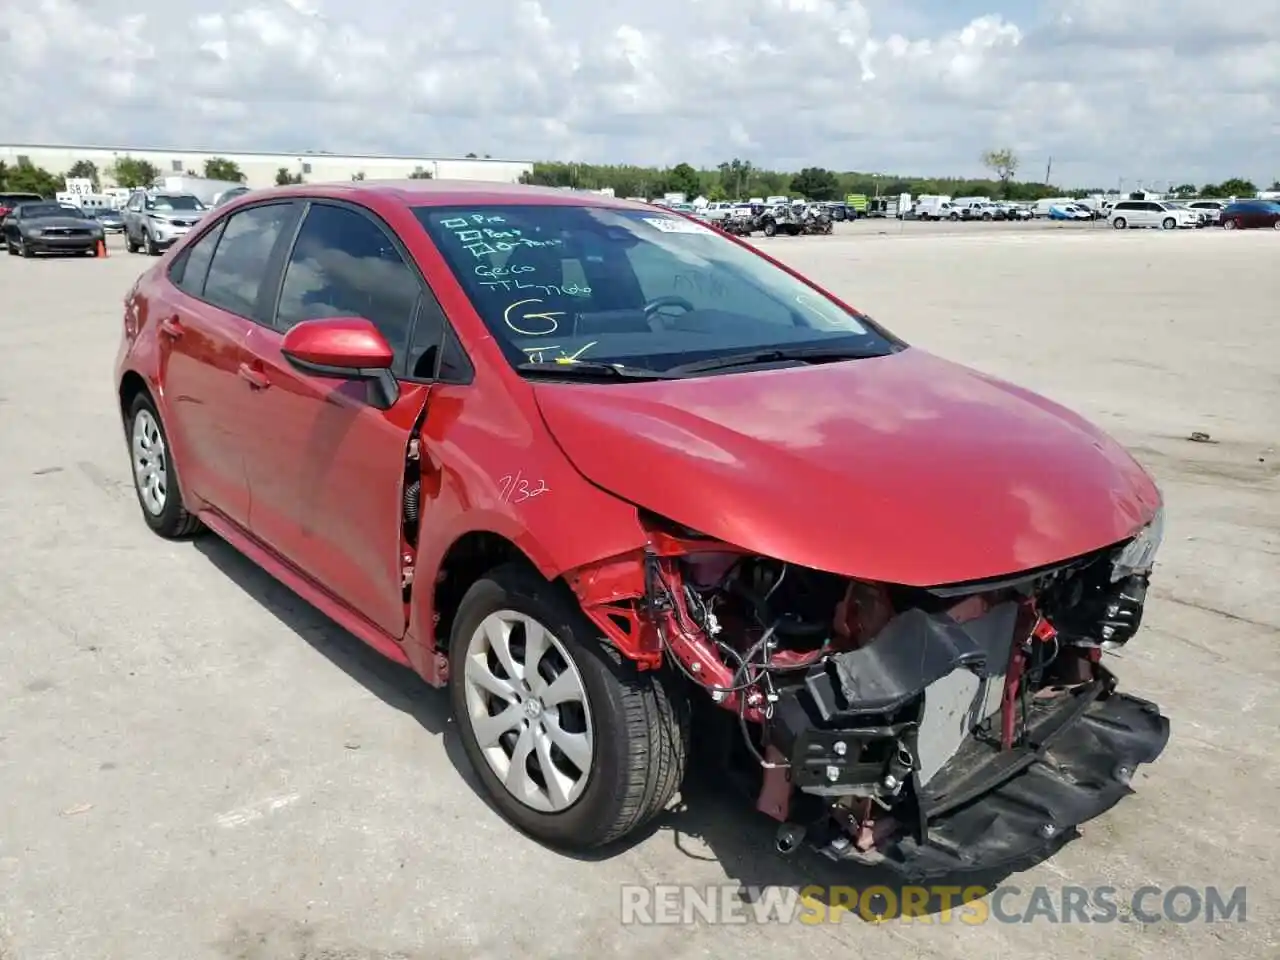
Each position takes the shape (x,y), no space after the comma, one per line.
(135,203)
(239,263)
(434,351)
(662,274)
(345,265)
(192,266)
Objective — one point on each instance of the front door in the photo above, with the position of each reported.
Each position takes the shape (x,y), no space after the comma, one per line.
(328,469)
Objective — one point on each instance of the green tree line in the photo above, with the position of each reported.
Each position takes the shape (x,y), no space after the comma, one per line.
(127,171)
(734,179)
(738,179)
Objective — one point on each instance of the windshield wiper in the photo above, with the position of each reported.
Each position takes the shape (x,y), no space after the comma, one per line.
(803,354)
(591,368)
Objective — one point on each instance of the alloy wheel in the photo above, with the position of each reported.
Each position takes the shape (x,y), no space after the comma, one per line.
(150,464)
(527,706)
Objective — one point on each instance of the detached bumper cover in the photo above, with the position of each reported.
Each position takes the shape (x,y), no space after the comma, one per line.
(995,809)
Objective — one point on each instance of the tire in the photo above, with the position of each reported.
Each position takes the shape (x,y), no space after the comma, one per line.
(770,229)
(152,249)
(1229,224)
(1168,223)
(13,251)
(168,517)
(129,243)
(1276,225)
(1119,223)
(636,723)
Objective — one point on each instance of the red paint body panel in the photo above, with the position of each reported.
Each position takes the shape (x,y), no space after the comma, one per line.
(325,472)
(904,469)
(198,351)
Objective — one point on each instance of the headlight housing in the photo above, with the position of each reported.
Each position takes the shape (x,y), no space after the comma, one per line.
(1139,555)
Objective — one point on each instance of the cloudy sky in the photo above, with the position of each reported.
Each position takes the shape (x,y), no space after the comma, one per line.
(1187,90)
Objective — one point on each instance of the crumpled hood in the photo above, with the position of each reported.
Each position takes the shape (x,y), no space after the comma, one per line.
(904,469)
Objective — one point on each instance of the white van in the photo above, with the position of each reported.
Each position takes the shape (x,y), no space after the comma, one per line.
(932,207)
(1152,213)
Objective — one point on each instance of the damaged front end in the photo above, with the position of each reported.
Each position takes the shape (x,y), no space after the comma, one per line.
(929,730)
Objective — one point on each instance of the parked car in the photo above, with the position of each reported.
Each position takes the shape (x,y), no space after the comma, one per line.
(228,195)
(155,220)
(49,227)
(1069,211)
(10,200)
(450,416)
(111,220)
(1151,213)
(1247,214)
(1212,209)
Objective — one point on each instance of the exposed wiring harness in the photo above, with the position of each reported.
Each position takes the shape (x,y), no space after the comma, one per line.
(753,667)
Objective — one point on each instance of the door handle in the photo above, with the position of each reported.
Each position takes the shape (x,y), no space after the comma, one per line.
(171,327)
(255,378)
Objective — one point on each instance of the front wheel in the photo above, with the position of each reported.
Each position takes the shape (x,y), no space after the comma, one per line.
(574,745)
(1229,224)
(1276,225)
(130,244)
(153,249)
(1168,223)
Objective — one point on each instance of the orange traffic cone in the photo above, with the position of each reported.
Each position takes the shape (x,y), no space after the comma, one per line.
(102,249)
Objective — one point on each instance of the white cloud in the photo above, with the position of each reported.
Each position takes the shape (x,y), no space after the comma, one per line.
(1182,89)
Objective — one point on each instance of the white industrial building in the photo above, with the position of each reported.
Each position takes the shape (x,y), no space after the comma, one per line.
(260,169)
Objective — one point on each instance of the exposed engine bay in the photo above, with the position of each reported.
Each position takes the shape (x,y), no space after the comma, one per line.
(925,729)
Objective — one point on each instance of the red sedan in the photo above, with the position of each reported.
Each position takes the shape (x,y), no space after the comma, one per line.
(623,483)
(1244,214)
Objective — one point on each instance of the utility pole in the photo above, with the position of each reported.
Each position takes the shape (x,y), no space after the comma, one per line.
(1048,169)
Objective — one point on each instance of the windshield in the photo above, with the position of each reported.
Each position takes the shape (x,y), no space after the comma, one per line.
(30,210)
(644,288)
(164,201)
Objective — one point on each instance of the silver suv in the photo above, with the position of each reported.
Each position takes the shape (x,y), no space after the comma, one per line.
(154,220)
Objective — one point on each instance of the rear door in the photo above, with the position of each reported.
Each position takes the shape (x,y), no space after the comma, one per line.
(215,299)
(328,469)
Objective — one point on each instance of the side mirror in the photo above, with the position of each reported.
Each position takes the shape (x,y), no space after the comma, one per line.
(344,348)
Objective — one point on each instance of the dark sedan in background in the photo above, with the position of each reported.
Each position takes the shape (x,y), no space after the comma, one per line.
(49,227)
(1244,214)
(111,220)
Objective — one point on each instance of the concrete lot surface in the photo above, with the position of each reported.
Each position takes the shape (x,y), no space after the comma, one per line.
(194,765)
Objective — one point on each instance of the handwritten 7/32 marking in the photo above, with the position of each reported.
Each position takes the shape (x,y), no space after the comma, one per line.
(516,488)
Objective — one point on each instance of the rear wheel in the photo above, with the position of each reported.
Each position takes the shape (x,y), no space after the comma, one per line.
(573,745)
(155,479)
(1229,224)
(1276,225)
(1119,223)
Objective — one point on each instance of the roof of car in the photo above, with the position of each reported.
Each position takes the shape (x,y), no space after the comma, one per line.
(442,193)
